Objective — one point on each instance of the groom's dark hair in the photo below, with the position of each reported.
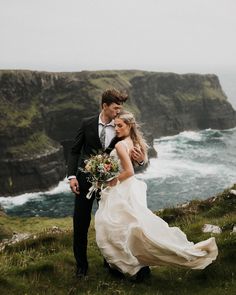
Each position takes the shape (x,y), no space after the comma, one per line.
(113,95)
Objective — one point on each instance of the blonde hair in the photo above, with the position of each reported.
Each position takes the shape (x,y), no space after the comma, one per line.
(135,133)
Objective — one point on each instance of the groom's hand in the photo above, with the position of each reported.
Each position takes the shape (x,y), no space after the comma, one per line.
(74,186)
(137,155)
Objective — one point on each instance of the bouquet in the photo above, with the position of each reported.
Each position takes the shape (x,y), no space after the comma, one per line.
(102,168)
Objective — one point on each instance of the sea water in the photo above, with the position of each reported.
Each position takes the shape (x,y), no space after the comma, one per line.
(190,165)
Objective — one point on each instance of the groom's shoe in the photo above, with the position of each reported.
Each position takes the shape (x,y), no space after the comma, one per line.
(81,272)
(143,274)
(114,272)
(105,264)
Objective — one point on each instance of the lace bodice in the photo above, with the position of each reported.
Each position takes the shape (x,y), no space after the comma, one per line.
(115,155)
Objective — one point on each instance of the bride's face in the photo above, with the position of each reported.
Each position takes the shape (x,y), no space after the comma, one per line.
(122,129)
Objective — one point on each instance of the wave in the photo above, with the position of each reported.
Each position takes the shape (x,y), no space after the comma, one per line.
(12,201)
(194,154)
(173,168)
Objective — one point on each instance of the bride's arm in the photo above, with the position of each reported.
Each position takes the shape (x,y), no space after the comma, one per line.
(126,164)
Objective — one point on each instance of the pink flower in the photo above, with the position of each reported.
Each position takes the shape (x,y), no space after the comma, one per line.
(107,167)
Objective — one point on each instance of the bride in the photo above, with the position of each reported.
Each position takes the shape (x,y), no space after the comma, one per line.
(128,234)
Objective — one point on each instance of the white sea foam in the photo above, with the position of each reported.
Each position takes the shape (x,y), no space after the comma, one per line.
(11,201)
(196,136)
(62,187)
(179,156)
(193,135)
(171,168)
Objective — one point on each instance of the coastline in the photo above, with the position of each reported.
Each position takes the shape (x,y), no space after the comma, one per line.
(190,165)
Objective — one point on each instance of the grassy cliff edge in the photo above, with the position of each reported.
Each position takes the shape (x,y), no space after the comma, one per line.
(44,263)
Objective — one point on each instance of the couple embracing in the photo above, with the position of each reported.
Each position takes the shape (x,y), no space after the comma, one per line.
(130,237)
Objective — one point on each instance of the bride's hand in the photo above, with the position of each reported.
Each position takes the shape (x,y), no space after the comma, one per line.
(113,182)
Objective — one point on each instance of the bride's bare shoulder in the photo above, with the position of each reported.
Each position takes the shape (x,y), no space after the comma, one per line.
(122,142)
(123,145)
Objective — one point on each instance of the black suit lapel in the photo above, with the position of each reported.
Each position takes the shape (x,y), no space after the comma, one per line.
(93,134)
(112,145)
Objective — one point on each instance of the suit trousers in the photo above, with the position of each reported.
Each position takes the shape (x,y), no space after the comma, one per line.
(81,222)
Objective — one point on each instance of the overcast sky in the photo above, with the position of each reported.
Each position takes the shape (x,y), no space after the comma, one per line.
(74,35)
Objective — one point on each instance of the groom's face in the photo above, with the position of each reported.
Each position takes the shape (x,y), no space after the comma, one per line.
(112,110)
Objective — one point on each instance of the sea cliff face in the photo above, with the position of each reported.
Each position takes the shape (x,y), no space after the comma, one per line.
(40,113)
(171,103)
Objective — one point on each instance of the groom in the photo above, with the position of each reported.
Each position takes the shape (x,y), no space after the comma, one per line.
(95,134)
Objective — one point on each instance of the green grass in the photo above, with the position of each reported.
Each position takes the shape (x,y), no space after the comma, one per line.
(212,93)
(108,82)
(187,96)
(37,143)
(67,105)
(45,263)
(14,115)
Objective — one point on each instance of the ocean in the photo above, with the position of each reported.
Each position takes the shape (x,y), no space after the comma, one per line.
(190,165)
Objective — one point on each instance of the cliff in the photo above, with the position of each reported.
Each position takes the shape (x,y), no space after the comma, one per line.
(40,113)
(171,103)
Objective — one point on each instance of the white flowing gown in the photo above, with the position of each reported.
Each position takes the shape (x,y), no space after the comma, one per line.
(131,236)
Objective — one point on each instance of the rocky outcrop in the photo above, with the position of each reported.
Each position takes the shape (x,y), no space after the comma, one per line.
(210,228)
(35,173)
(171,103)
(40,113)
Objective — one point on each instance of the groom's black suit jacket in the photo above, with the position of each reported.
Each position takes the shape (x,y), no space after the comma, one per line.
(86,143)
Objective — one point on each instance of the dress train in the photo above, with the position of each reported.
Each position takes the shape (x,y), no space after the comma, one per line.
(131,236)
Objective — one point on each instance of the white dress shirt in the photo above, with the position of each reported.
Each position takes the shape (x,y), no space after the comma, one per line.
(110,130)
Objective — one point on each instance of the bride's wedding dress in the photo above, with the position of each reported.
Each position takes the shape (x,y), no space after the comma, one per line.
(130,236)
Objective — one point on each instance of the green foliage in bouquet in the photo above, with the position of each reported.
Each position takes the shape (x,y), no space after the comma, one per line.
(101,167)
